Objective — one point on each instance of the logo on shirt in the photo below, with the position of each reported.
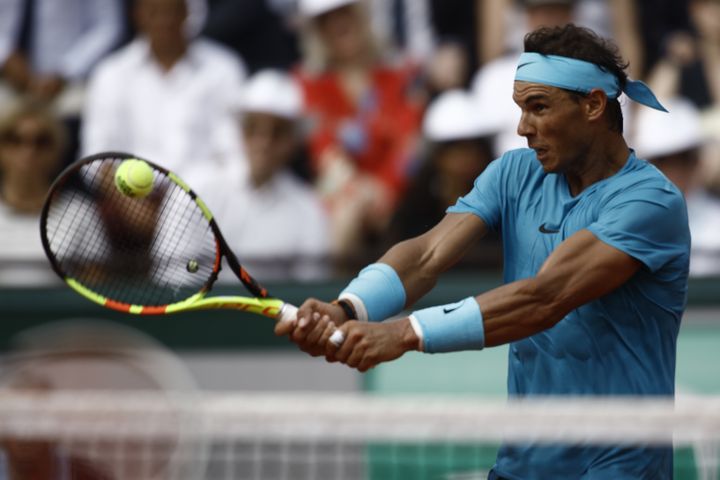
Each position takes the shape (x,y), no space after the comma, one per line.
(544,229)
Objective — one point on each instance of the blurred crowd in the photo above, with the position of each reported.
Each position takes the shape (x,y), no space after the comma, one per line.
(322,131)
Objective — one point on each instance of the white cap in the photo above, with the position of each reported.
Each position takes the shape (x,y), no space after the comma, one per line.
(456,115)
(313,8)
(493,89)
(659,133)
(272,91)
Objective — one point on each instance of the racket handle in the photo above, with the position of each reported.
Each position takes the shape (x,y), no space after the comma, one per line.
(337,338)
(288,312)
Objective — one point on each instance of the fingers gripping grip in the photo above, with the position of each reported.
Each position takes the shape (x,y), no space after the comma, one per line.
(288,313)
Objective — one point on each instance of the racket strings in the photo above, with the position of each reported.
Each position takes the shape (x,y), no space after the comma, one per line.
(185,213)
(152,251)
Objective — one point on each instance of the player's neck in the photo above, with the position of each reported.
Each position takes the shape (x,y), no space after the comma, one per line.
(602,160)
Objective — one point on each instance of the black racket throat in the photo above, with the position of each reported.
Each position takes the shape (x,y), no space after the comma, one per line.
(249,282)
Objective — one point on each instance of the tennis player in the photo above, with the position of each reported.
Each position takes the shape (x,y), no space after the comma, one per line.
(596,253)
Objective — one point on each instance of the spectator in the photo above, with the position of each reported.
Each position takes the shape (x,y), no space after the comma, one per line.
(674,143)
(689,67)
(459,138)
(457,32)
(47,47)
(166,96)
(32,141)
(256,30)
(438,35)
(364,120)
(657,20)
(611,18)
(273,220)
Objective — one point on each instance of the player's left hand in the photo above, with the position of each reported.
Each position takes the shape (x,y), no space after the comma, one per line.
(369,344)
(316,322)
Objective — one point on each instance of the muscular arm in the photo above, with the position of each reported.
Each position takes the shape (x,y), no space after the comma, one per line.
(420,260)
(581,269)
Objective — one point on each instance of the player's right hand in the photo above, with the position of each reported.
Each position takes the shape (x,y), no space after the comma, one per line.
(316,322)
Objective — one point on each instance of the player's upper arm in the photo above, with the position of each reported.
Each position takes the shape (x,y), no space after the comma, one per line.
(645,227)
(583,268)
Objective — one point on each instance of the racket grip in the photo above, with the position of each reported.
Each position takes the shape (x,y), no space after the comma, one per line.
(337,338)
(288,312)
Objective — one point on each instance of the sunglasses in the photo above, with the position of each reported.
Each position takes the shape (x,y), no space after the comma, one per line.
(41,140)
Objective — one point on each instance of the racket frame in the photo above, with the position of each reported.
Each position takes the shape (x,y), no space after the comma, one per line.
(261,303)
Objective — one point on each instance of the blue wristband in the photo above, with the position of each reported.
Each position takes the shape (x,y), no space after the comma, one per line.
(377,291)
(451,328)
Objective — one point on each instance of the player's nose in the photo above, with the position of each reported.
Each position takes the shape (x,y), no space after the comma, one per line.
(525,128)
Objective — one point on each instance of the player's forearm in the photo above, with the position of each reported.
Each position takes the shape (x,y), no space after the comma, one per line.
(414,268)
(421,260)
(518,310)
(411,268)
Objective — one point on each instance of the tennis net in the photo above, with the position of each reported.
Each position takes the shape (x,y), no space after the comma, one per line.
(137,435)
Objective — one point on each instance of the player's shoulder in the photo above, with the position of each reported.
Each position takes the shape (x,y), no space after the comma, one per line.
(640,177)
(642,181)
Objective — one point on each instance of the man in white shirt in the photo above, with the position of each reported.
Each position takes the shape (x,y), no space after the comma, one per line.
(271,219)
(166,96)
(47,47)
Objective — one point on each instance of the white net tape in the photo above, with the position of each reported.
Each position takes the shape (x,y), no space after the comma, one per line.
(274,436)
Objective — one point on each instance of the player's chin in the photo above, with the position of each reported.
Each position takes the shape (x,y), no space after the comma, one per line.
(549,163)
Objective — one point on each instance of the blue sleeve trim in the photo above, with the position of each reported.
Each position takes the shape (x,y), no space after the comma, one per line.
(459,208)
(606,237)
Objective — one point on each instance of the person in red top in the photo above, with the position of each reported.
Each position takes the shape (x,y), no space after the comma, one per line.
(364,114)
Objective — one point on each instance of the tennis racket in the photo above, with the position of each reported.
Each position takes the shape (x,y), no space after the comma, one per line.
(155,255)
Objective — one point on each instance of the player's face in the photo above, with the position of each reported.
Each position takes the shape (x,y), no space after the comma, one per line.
(553,124)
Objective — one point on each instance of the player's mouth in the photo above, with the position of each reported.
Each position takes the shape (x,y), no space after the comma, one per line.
(540,153)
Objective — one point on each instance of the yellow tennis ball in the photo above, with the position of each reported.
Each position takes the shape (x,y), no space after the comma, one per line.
(134,178)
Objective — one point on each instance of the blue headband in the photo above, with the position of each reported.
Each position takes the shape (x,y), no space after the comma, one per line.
(580,76)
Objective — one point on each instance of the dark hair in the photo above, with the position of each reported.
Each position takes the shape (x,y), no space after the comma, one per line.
(583,44)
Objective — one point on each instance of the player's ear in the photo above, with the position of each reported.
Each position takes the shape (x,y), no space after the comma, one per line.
(594,104)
